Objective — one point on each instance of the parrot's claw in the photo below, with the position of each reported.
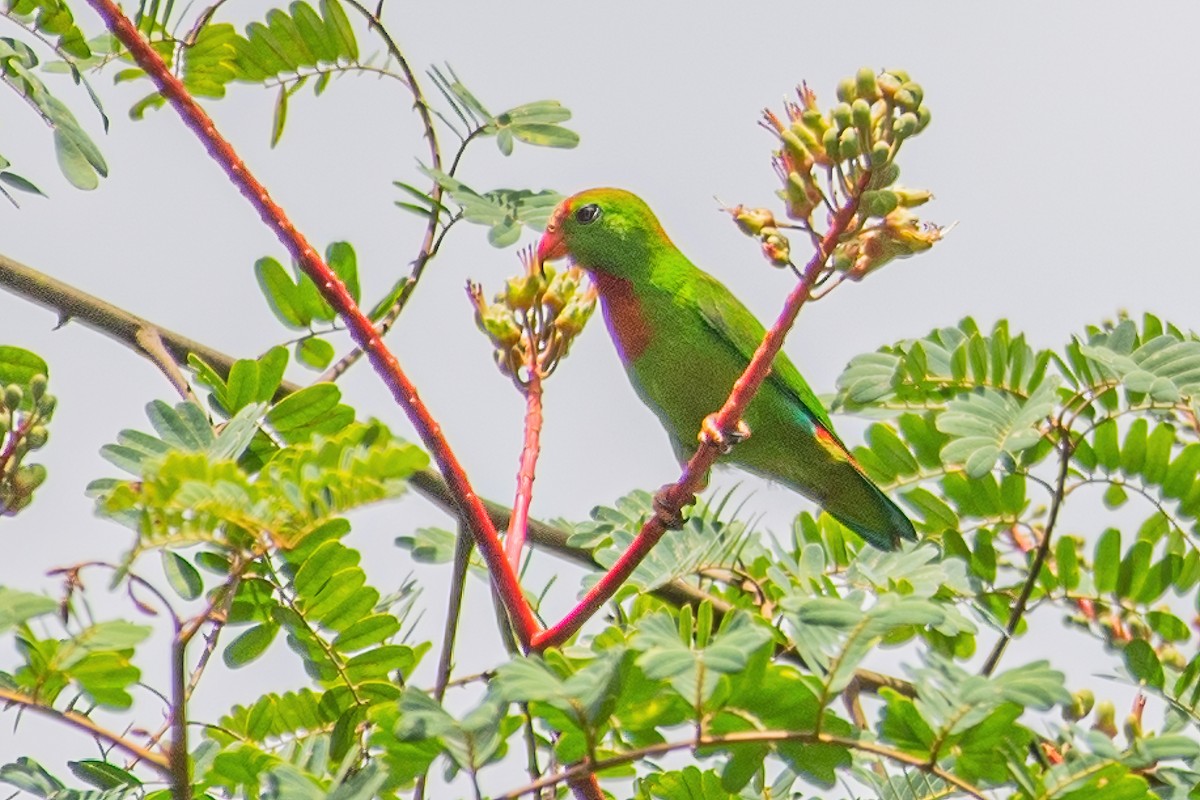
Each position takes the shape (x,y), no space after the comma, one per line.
(711,433)
(665,508)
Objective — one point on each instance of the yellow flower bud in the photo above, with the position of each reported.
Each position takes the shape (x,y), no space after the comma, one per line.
(752,220)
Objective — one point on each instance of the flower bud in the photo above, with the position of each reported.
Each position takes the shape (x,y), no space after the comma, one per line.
(520,292)
(911,198)
(915,91)
(841,115)
(846,90)
(881,153)
(1106,719)
(888,84)
(814,120)
(1082,702)
(798,154)
(860,113)
(1170,656)
(776,247)
(13,396)
(1133,727)
(37,386)
(802,195)
(46,406)
(923,117)
(865,86)
(829,142)
(37,437)
(905,100)
(751,221)
(848,144)
(905,126)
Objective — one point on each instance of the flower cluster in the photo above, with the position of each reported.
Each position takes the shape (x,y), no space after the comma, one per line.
(825,158)
(24,413)
(533,322)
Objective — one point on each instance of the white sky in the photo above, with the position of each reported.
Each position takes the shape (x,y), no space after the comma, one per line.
(1061,145)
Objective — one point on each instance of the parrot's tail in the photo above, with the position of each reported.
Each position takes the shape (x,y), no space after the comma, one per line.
(835,481)
(862,507)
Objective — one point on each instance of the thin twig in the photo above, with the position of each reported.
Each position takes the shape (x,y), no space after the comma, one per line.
(694,477)
(428,241)
(334,292)
(82,723)
(151,342)
(1039,558)
(514,542)
(458,579)
(747,737)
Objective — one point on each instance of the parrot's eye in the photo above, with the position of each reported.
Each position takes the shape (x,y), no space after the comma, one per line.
(588,214)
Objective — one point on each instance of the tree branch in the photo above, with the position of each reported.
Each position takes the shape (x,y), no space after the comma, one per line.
(430,240)
(122,327)
(334,292)
(80,722)
(746,737)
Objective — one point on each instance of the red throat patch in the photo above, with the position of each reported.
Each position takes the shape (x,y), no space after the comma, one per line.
(627,324)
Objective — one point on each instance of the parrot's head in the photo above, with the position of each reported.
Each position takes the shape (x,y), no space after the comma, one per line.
(611,231)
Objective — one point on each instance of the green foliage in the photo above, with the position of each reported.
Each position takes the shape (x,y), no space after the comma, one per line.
(705,541)
(770,685)
(78,157)
(505,212)
(533,123)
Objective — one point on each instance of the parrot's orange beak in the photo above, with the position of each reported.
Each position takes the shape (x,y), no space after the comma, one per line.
(552,246)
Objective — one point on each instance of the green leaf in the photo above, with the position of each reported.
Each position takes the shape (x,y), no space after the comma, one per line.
(545,135)
(1143,663)
(429,545)
(249,645)
(281,292)
(313,410)
(183,577)
(1107,561)
(102,775)
(344,263)
(279,119)
(18,366)
(314,352)
(28,775)
(17,607)
(988,422)
(366,632)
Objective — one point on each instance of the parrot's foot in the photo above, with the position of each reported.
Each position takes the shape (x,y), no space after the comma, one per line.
(668,509)
(710,433)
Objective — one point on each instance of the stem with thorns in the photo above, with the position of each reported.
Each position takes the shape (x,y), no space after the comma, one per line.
(334,292)
(518,526)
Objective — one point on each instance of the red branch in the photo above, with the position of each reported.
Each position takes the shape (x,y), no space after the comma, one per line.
(695,473)
(334,292)
(519,522)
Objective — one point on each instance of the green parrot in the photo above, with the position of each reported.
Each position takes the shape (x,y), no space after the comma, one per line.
(684,339)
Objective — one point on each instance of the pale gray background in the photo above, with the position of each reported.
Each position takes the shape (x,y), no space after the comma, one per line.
(1062,145)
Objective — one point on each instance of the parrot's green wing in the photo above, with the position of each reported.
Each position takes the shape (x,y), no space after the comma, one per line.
(737,328)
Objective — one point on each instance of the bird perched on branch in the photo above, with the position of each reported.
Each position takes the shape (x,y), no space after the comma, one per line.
(684,339)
